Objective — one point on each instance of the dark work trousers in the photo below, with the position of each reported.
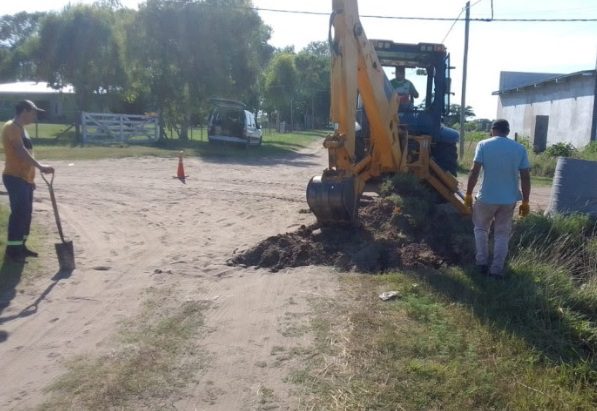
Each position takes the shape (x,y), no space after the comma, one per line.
(20,194)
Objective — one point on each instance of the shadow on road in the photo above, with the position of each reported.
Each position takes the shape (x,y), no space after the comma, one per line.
(10,276)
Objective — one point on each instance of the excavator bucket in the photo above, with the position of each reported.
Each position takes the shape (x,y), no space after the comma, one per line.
(333,199)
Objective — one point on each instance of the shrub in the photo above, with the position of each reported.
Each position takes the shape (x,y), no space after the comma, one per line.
(591,148)
(476,136)
(525,141)
(590,152)
(542,165)
(561,150)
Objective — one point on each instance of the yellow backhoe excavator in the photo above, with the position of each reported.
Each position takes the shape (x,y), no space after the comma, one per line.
(386,141)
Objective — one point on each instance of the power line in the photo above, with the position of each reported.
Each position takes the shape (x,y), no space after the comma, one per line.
(457,17)
(453,24)
(515,20)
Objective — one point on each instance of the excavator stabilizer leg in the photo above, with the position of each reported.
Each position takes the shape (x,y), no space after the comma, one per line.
(333,199)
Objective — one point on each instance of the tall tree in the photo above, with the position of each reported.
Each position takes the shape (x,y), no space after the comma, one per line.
(184,52)
(281,86)
(453,116)
(16,34)
(313,66)
(79,46)
(301,83)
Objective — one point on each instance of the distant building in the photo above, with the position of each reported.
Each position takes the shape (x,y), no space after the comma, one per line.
(550,108)
(59,104)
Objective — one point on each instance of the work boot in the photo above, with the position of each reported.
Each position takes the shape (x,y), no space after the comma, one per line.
(14,254)
(29,253)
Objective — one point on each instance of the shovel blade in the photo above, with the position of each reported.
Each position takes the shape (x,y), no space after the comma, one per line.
(66,255)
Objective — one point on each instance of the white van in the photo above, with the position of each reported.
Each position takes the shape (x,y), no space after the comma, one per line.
(229,121)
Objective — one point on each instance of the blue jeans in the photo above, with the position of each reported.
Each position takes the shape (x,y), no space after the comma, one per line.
(20,194)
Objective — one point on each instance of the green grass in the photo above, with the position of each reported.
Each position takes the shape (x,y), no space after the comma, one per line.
(457,340)
(50,147)
(433,351)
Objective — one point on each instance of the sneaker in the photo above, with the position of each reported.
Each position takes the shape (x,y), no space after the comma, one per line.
(482,268)
(29,253)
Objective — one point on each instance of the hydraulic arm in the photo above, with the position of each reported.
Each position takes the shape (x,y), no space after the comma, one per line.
(357,72)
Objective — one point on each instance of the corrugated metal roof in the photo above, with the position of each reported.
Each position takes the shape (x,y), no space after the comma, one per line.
(32,87)
(514,81)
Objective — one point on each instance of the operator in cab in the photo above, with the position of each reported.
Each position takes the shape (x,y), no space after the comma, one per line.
(405,89)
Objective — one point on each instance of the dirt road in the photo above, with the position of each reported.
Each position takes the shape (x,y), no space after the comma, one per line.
(134,228)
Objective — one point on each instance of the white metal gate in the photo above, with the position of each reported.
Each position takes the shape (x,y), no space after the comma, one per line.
(107,128)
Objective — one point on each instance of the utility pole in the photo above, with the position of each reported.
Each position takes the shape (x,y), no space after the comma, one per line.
(464,65)
(594,124)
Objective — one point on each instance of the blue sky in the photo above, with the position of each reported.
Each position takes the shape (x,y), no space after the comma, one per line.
(493,46)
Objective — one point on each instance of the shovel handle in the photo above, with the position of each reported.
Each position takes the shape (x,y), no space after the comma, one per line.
(54,205)
(49,183)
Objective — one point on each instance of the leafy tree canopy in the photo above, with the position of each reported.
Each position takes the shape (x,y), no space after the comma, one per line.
(80,46)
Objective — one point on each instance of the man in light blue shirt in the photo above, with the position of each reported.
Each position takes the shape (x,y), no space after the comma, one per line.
(503,161)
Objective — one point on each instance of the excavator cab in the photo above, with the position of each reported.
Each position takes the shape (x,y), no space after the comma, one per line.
(432,61)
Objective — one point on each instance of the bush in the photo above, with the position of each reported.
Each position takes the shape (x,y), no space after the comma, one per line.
(590,152)
(561,150)
(476,136)
(591,148)
(542,165)
(526,142)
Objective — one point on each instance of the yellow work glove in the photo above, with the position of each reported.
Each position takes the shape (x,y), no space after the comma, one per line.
(523,209)
(468,201)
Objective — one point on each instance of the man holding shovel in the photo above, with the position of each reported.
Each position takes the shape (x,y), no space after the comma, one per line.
(18,178)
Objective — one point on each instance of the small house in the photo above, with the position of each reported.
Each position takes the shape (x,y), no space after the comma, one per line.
(550,108)
(59,105)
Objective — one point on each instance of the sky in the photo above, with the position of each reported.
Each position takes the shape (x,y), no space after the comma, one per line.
(548,47)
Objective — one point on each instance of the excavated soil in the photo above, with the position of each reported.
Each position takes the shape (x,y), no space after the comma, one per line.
(387,238)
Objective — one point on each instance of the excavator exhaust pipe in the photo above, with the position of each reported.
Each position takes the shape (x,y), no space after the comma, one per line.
(333,199)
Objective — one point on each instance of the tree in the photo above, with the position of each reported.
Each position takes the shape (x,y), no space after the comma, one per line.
(16,33)
(183,53)
(177,53)
(281,82)
(80,47)
(453,116)
(301,83)
(313,66)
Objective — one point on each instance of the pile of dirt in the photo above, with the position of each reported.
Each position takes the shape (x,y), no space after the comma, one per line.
(388,237)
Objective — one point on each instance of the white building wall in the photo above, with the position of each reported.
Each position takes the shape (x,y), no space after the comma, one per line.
(569,105)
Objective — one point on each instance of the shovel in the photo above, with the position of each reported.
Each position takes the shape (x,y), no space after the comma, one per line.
(65,249)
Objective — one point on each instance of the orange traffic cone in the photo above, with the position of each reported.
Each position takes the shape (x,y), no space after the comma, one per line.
(180,172)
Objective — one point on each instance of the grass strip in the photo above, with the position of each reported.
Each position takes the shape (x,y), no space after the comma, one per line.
(156,357)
